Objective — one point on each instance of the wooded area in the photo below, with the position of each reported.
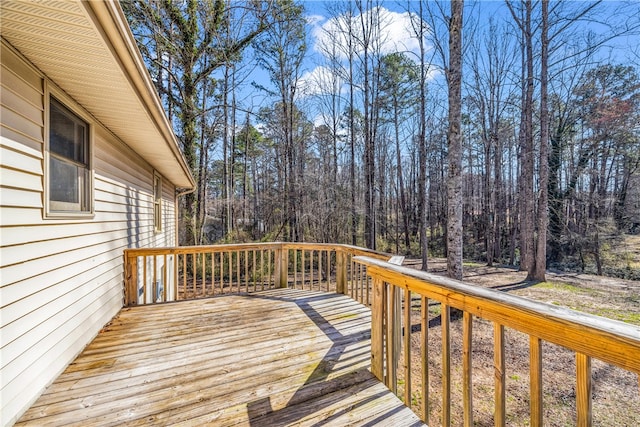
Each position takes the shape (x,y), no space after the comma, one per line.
(363,149)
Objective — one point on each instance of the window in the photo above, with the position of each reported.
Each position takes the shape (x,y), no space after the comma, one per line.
(69,173)
(157,202)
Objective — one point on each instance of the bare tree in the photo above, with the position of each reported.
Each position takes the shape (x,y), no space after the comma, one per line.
(281,52)
(196,53)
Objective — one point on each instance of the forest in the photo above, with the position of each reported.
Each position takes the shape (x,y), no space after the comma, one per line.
(507,132)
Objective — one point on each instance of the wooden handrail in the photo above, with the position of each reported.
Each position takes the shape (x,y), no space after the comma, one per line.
(589,336)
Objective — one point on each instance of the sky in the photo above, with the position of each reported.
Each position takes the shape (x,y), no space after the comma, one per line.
(399,37)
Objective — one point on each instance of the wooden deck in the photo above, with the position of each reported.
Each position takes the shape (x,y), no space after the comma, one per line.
(274,358)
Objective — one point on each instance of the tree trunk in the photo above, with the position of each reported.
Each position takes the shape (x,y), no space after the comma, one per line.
(454,141)
(540,265)
(422,153)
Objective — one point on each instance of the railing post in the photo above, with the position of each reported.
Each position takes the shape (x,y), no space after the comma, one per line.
(341,272)
(377,329)
(282,266)
(130,280)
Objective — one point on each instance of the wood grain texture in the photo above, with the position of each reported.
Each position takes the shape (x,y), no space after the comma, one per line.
(446,365)
(467,374)
(424,356)
(499,376)
(584,396)
(535,380)
(278,357)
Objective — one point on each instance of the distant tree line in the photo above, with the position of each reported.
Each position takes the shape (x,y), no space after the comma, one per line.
(542,155)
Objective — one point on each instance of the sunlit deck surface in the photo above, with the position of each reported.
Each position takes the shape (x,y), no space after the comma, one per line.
(273,358)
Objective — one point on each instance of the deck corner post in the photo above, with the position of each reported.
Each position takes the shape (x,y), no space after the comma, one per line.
(377,329)
(130,279)
(282,266)
(341,272)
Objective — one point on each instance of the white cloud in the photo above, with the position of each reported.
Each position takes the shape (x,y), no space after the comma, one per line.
(314,20)
(318,81)
(329,40)
(396,32)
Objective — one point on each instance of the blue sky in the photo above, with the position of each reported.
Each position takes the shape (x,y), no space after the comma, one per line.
(398,37)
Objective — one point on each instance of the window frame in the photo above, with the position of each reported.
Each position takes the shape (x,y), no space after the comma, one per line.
(59,209)
(157,202)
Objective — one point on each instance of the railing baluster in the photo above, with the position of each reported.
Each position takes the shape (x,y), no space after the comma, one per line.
(499,375)
(194,272)
(213,273)
(328,256)
(535,380)
(262,269)
(253,273)
(304,269)
(311,269)
(155,279)
(377,328)
(358,284)
(164,278)
(224,271)
(221,271)
(184,276)
(467,376)
(269,277)
(366,284)
(174,257)
(238,278)
(392,361)
(230,272)
(203,272)
(320,270)
(144,280)
(446,364)
(583,390)
(424,356)
(295,269)
(246,271)
(361,286)
(407,347)
(352,281)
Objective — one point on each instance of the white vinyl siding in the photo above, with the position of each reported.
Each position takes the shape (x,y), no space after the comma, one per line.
(61,279)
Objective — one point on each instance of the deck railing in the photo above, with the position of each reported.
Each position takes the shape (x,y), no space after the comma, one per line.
(588,336)
(156,275)
(400,299)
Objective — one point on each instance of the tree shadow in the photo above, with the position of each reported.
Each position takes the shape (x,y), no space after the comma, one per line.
(319,392)
(515,286)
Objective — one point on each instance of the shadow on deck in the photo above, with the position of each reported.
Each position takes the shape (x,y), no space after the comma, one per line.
(273,358)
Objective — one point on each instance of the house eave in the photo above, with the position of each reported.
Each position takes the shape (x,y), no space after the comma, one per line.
(88,51)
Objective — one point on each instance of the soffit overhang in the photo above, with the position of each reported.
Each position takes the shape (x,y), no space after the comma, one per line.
(86,48)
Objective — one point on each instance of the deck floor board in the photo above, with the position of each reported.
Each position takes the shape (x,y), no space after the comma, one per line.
(272,358)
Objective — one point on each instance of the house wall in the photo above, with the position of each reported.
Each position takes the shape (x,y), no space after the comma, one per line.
(61,280)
